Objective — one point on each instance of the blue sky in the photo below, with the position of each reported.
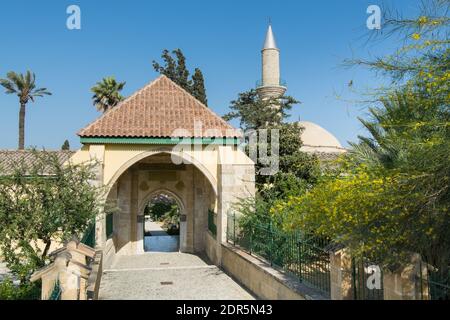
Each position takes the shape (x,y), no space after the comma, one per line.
(223,38)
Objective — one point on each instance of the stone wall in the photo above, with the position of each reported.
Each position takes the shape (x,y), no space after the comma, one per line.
(109,252)
(261,279)
(264,281)
(211,248)
(406,283)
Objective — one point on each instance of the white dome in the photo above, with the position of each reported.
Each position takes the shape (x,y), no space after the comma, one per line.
(317,139)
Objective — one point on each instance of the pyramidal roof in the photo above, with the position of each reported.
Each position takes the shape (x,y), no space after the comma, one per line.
(161,109)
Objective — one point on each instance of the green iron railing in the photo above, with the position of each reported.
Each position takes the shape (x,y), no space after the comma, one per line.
(304,257)
(361,272)
(211,223)
(56,292)
(438,290)
(109,225)
(436,285)
(89,235)
(281,82)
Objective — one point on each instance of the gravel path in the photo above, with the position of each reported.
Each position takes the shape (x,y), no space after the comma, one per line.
(168,276)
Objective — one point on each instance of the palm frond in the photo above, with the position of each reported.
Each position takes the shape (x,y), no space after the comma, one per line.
(24,85)
(8,85)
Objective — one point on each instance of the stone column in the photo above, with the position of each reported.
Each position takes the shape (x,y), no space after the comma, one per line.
(97,153)
(408,283)
(190,210)
(236,180)
(341,275)
(200,210)
(123,227)
(136,245)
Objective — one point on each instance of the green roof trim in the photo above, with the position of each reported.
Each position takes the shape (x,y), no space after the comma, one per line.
(173,141)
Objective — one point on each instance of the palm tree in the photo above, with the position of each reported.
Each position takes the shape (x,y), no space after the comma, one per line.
(106,93)
(25,88)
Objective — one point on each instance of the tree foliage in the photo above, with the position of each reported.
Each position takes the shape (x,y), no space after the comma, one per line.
(107,93)
(297,170)
(10,291)
(66,145)
(391,196)
(255,113)
(42,203)
(198,86)
(175,69)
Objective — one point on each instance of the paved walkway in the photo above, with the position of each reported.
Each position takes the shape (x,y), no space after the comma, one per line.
(167,276)
(159,241)
(154,228)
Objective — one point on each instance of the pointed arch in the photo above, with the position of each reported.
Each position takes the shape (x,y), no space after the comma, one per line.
(186,157)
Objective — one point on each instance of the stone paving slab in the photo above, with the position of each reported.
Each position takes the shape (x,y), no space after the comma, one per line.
(154,260)
(162,243)
(185,277)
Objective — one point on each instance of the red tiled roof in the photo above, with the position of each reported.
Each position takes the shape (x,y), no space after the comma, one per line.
(157,110)
(12,159)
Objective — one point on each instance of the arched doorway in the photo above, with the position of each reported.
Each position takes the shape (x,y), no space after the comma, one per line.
(157,177)
(163,227)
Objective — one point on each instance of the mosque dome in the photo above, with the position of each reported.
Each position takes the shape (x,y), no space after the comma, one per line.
(317,139)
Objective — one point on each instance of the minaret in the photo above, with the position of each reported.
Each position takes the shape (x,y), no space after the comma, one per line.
(270,85)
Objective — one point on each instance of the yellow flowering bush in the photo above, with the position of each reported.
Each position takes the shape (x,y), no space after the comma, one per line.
(372,212)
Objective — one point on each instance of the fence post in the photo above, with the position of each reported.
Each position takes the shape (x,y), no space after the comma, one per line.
(299,257)
(234,228)
(227,237)
(271,244)
(251,240)
(354,282)
(341,279)
(406,283)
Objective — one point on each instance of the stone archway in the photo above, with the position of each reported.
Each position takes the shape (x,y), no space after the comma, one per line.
(183,156)
(145,177)
(179,202)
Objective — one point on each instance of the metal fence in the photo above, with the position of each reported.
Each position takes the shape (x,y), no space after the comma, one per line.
(437,290)
(56,292)
(281,82)
(435,286)
(297,254)
(362,270)
(110,225)
(89,236)
(211,222)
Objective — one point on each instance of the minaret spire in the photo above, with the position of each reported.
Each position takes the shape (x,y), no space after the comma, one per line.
(270,85)
(270,42)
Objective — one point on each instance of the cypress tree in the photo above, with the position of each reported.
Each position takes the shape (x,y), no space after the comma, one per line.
(169,69)
(198,87)
(175,69)
(182,73)
(65,146)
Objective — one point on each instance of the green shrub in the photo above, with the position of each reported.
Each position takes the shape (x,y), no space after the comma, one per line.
(26,291)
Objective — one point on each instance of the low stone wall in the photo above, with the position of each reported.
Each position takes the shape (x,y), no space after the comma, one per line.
(407,283)
(211,248)
(95,277)
(261,279)
(109,252)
